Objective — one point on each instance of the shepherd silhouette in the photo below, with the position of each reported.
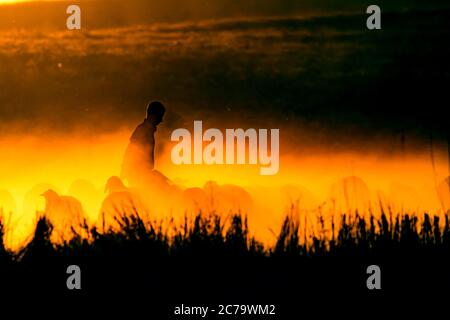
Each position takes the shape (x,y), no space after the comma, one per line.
(139,160)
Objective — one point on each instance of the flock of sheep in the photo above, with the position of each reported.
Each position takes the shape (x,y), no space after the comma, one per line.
(71,210)
(84,202)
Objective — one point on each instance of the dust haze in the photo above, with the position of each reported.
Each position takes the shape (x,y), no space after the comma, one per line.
(353,108)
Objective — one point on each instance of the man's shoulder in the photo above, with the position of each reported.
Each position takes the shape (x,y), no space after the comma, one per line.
(145,125)
(142,130)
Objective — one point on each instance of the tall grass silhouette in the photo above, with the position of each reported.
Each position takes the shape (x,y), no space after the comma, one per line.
(213,247)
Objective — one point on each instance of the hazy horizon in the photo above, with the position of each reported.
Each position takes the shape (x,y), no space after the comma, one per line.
(50,14)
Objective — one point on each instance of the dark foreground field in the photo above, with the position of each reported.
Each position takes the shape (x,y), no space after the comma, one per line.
(210,261)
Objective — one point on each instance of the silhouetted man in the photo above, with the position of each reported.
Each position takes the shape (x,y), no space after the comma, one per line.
(139,159)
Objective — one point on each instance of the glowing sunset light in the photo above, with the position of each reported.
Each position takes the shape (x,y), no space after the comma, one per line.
(79,166)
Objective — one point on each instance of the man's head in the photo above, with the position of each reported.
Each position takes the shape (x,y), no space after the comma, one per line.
(155,112)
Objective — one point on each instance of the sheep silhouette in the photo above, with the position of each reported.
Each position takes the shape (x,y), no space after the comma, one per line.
(64,212)
(121,201)
(89,196)
(7,202)
(350,195)
(195,200)
(33,200)
(228,198)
